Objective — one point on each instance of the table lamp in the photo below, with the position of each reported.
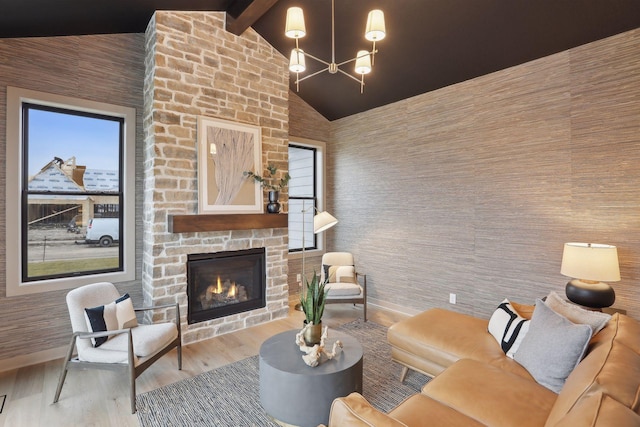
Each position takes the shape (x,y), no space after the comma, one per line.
(590,265)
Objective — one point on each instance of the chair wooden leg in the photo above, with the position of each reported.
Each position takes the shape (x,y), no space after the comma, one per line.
(132,375)
(179,337)
(403,374)
(132,390)
(63,373)
(364,309)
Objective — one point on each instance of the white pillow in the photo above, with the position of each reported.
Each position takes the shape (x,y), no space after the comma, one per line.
(340,273)
(118,314)
(508,328)
(595,319)
(125,313)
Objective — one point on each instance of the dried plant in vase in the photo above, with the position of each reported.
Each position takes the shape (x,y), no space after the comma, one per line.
(272,183)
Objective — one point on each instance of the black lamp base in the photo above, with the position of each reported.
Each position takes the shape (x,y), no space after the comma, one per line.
(592,295)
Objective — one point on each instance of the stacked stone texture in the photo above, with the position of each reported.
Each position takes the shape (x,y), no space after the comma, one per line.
(195,68)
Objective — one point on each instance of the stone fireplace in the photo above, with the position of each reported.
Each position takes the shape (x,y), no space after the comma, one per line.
(194,67)
(225,283)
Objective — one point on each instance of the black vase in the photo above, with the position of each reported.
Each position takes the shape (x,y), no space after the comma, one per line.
(273,206)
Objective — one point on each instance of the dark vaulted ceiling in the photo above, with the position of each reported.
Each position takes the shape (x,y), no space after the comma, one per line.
(430,43)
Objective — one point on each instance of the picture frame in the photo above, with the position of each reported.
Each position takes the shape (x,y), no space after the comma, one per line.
(225,151)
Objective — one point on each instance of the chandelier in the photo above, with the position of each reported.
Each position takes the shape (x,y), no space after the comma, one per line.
(364,60)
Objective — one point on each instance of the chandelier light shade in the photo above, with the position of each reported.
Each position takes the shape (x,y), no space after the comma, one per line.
(296,62)
(590,265)
(363,62)
(294,26)
(375,30)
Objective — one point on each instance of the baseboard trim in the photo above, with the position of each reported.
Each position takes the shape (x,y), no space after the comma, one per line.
(385,305)
(32,358)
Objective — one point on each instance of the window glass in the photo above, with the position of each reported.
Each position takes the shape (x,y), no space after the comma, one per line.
(71,192)
(302,197)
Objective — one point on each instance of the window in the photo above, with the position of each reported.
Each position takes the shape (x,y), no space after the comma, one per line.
(70,206)
(306,196)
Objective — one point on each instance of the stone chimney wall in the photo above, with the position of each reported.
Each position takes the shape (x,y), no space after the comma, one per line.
(195,68)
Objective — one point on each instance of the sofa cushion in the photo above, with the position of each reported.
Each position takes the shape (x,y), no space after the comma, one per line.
(610,367)
(354,410)
(595,319)
(435,339)
(524,310)
(420,410)
(491,395)
(416,411)
(508,327)
(599,410)
(553,347)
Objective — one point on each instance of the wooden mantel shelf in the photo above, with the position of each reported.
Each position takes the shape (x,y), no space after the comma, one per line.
(193,223)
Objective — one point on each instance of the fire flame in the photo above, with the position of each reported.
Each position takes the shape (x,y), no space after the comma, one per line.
(219,287)
(232,290)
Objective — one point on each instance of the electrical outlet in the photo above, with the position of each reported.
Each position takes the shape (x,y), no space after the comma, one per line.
(298,277)
(452,298)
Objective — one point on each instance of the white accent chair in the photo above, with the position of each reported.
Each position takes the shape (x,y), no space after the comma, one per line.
(130,350)
(345,284)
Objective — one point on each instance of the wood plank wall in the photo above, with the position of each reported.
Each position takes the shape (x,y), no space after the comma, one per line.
(104,68)
(473,189)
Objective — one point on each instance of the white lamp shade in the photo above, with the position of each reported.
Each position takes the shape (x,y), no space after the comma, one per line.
(375,30)
(590,261)
(294,26)
(363,62)
(323,221)
(296,61)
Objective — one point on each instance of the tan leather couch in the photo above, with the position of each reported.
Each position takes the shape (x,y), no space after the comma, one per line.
(475,384)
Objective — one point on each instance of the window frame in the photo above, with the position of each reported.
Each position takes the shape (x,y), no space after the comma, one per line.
(320,185)
(15,221)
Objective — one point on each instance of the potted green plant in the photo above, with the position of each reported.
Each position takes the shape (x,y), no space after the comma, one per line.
(272,183)
(312,302)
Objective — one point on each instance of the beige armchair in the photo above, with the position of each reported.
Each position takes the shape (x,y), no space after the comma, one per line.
(127,346)
(345,284)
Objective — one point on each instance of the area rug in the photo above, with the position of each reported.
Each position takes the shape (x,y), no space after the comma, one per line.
(229,395)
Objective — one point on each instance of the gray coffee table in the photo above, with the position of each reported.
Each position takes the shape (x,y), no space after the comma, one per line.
(297,394)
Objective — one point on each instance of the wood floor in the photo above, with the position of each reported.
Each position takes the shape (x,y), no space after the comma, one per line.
(101,398)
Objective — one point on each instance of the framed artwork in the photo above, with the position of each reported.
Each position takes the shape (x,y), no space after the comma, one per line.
(225,151)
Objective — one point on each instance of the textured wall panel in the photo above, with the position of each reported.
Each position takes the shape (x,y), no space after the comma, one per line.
(473,189)
(106,68)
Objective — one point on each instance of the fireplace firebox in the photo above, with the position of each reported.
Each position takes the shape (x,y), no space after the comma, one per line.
(224,283)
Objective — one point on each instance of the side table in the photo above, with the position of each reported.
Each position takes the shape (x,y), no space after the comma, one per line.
(293,392)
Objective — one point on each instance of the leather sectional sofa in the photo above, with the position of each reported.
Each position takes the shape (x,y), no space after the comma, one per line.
(476,384)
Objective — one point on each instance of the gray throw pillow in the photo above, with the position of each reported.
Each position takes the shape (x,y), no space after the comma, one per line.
(596,319)
(553,347)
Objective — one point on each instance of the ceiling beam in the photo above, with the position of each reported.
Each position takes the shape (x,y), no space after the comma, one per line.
(251,14)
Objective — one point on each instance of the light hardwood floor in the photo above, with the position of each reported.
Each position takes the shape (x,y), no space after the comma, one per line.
(101,398)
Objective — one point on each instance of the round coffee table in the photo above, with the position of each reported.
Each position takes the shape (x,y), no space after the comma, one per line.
(293,392)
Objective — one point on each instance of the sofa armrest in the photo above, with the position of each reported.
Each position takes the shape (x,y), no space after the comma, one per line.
(355,411)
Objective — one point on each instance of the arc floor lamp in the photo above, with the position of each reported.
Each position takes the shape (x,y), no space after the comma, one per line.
(321,221)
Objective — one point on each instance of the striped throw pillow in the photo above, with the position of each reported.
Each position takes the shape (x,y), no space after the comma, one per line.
(508,328)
